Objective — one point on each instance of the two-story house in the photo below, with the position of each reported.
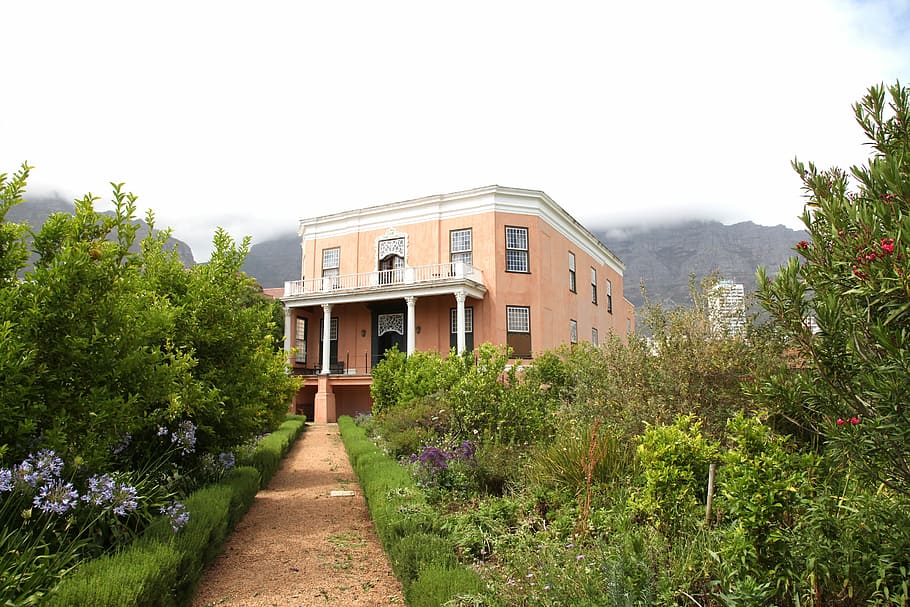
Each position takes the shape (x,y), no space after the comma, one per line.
(494,264)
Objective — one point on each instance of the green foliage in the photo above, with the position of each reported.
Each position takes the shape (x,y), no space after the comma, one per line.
(674,468)
(678,364)
(853,280)
(438,584)
(13,253)
(562,463)
(406,429)
(417,551)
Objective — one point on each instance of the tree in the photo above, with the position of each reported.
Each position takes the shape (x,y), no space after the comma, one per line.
(845,303)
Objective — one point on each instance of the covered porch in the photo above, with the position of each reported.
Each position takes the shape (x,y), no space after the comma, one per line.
(337,330)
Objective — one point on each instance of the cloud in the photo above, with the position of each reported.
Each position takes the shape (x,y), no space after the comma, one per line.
(256,116)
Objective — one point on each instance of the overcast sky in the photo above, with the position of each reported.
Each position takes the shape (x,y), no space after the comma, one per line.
(253,115)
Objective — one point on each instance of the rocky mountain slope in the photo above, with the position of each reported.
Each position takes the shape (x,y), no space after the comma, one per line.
(662,257)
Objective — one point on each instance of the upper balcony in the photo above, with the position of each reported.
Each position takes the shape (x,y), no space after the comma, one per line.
(418,281)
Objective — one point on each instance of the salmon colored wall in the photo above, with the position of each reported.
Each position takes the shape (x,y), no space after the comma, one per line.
(545,289)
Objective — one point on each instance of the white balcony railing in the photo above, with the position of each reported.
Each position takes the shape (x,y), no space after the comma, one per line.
(421,275)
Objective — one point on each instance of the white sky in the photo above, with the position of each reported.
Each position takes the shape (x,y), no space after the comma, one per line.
(252,115)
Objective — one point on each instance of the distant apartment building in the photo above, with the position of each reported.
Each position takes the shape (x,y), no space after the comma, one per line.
(501,265)
(727,308)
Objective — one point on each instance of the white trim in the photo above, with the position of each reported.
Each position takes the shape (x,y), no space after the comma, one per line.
(489,199)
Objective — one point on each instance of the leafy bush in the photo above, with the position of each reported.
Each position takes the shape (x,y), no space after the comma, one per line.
(674,468)
(851,283)
(438,584)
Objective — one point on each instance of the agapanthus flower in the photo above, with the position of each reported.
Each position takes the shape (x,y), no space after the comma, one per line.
(122,444)
(185,436)
(41,468)
(119,497)
(6,480)
(57,497)
(163,431)
(177,515)
(227,460)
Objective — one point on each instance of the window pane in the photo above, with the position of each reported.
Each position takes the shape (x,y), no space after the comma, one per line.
(518,320)
(300,339)
(572,261)
(461,241)
(468,320)
(331,258)
(573,332)
(595,339)
(516,261)
(517,238)
(463,257)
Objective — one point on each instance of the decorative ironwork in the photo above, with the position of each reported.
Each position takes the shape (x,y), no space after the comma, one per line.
(391,247)
(390,323)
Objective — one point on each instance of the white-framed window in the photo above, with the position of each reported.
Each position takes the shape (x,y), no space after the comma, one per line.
(461,246)
(593,286)
(573,331)
(595,338)
(518,330)
(300,340)
(331,262)
(468,320)
(572,272)
(518,319)
(609,297)
(517,249)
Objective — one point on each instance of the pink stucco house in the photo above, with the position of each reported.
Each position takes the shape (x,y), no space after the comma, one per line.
(492,264)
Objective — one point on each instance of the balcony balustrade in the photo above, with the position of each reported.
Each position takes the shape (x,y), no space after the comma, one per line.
(436,274)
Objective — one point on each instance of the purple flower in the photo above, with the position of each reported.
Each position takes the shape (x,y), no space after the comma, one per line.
(6,480)
(177,515)
(122,444)
(41,468)
(56,497)
(105,491)
(163,431)
(185,436)
(227,460)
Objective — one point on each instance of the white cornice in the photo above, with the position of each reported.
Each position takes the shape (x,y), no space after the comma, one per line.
(488,199)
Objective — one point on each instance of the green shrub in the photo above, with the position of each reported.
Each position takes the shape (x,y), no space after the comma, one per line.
(417,551)
(142,575)
(405,429)
(438,584)
(271,449)
(674,468)
(562,463)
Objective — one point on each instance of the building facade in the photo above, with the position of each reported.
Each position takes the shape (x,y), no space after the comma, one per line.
(494,264)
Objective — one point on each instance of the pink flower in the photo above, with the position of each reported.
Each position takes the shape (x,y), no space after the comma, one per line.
(854,420)
(887,246)
(840,422)
(802,245)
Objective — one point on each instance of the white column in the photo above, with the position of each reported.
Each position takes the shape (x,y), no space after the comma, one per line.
(326,338)
(460,296)
(412,325)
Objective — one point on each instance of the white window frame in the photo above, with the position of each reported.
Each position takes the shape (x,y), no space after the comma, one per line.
(517,257)
(518,319)
(572,279)
(573,331)
(461,243)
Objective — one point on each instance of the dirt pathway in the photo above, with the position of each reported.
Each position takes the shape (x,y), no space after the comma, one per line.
(298,546)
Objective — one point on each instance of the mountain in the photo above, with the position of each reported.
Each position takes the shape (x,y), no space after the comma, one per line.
(274,261)
(35,210)
(663,257)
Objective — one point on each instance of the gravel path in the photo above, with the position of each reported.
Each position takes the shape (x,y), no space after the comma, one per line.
(297,545)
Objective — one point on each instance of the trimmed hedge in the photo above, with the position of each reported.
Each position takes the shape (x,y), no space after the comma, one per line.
(422,557)
(162,568)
